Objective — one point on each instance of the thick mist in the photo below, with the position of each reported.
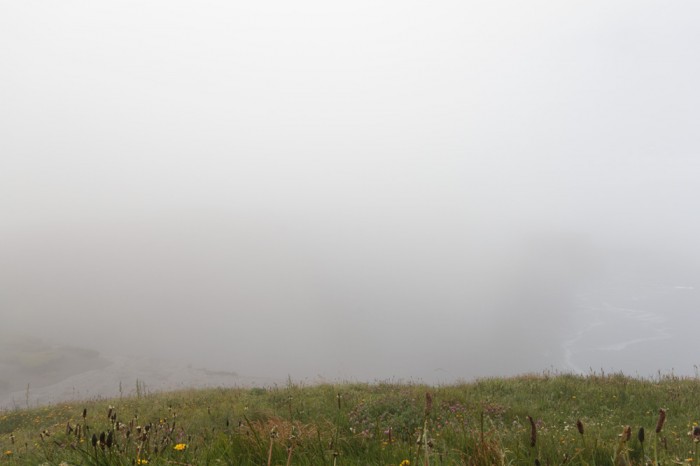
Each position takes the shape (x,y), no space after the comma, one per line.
(360,191)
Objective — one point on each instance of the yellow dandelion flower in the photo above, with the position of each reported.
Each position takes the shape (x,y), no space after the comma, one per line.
(180,446)
(8,452)
(141,461)
(405,463)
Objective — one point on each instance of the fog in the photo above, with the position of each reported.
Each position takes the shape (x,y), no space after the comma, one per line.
(353,191)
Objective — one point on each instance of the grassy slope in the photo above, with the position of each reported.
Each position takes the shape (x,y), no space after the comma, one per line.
(485,422)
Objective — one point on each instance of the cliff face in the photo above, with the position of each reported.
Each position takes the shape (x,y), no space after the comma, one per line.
(33,373)
(29,362)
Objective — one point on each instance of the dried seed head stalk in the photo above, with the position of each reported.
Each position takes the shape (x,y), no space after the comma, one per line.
(696,434)
(579,426)
(640,435)
(533,432)
(626,433)
(428,403)
(660,422)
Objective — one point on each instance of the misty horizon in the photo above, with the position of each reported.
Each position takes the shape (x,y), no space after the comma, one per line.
(354,191)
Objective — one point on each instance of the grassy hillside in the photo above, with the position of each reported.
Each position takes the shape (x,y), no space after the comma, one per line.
(524,420)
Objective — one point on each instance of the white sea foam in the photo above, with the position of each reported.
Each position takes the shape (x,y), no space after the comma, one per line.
(608,327)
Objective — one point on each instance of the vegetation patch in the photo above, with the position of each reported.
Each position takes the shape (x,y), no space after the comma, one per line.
(535,420)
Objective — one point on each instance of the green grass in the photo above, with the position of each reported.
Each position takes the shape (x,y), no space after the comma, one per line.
(480,423)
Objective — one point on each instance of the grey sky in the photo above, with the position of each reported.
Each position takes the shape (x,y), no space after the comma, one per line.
(362,189)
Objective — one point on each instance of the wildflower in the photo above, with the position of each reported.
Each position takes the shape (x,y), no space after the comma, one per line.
(8,452)
(388,433)
(141,461)
(405,463)
(180,446)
